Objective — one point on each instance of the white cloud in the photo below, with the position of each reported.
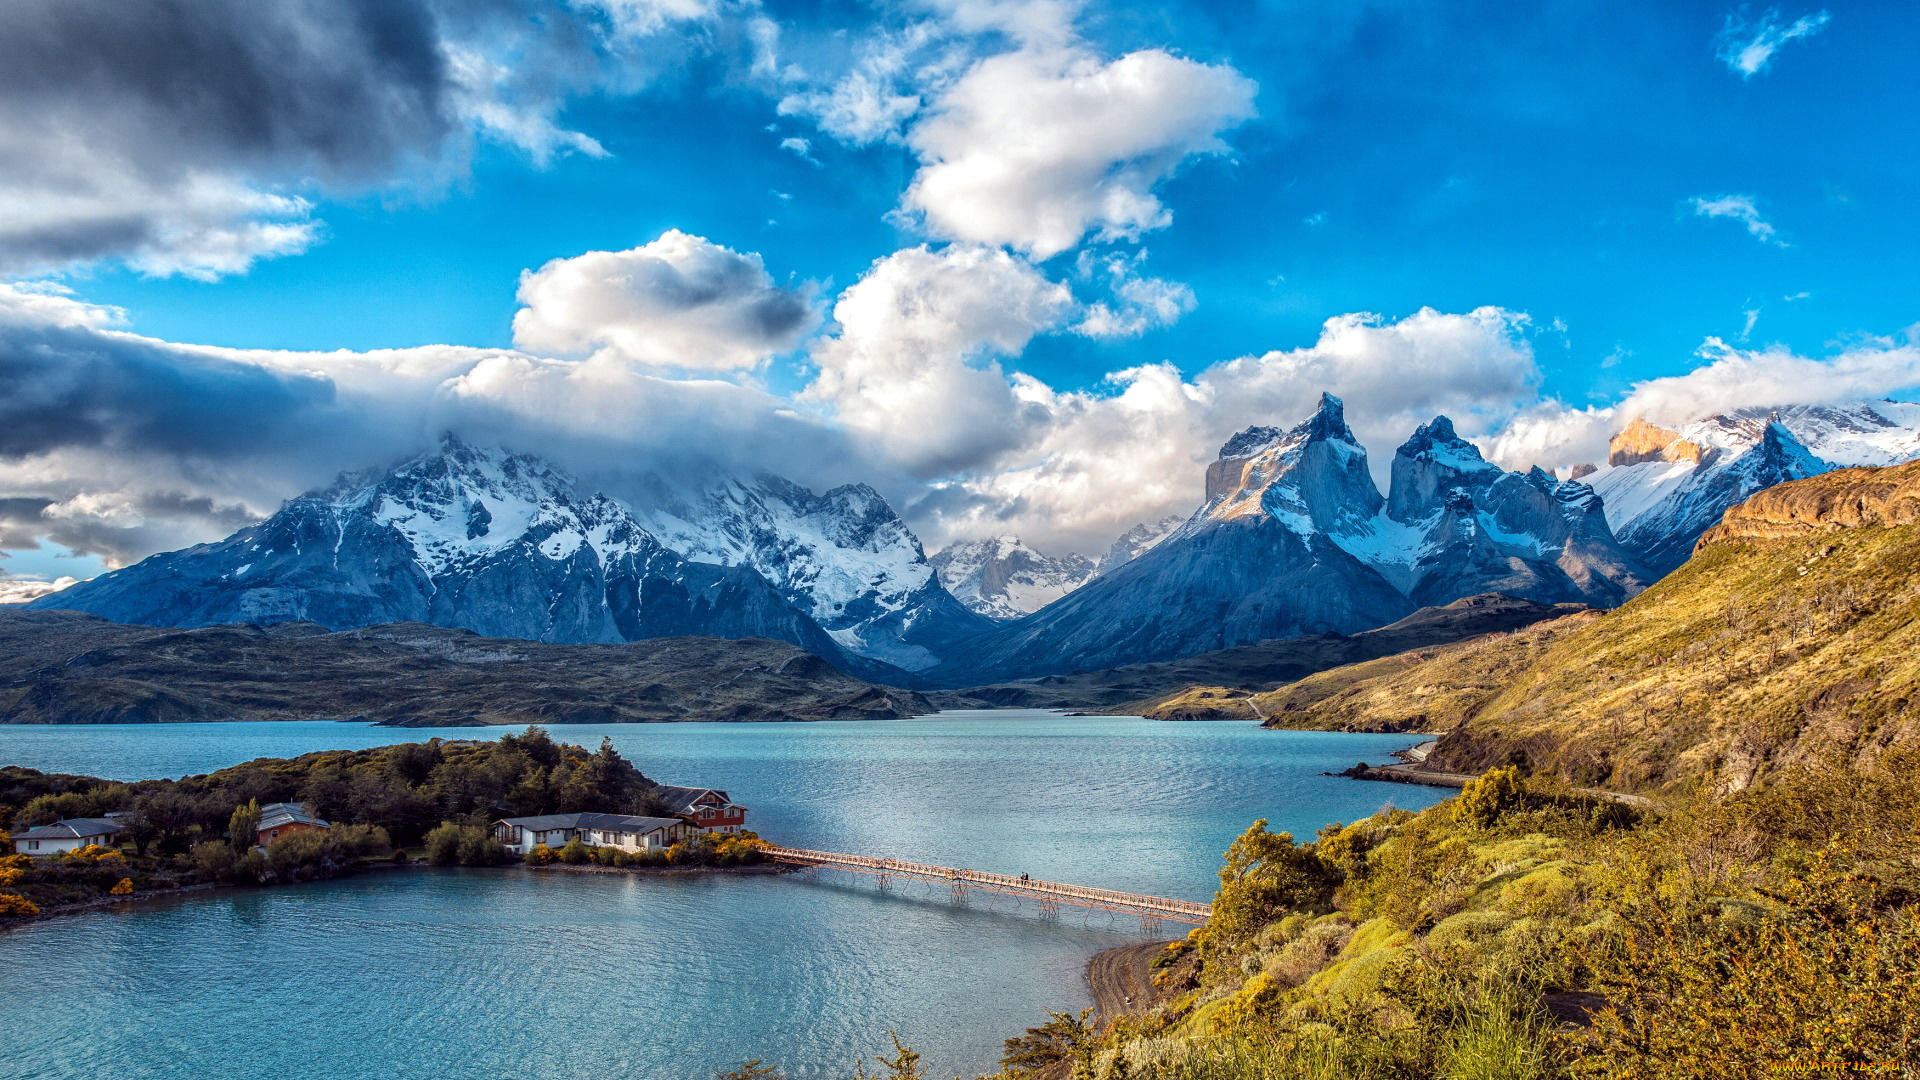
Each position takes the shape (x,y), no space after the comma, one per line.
(1740,208)
(680,301)
(1747,48)
(914,363)
(1139,303)
(876,94)
(1037,148)
(1093,463)
(21,590)
(1552,434)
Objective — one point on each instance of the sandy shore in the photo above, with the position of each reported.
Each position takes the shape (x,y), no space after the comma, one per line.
(1122,980)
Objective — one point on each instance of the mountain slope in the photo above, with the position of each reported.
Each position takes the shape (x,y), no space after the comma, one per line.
(1664,488)
(496,543)
(1215,685)
(61,667)
(1003,578)
(1791,634)
(1295,539)
(844,558)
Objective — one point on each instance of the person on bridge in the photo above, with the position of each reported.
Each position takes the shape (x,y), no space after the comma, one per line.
(1023,879)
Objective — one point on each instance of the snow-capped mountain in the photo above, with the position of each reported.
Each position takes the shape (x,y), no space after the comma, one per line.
(845,558)
(1294,538)
(1137,541)
(1881,432)
(1003,578)
(501,544)
(1663,488)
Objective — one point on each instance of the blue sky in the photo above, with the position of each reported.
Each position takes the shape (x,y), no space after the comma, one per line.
(1424,155)
(1612,187)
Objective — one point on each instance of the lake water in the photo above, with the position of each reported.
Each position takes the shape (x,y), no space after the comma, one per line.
(507,974)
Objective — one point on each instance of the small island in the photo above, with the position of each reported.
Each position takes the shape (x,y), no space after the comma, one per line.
(82,841)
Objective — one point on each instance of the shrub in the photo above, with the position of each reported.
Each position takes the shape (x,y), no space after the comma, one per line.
(574,853)
(541,855)
(453,844)
(13,904)
(1483,801)
(123,887)
(1266,876)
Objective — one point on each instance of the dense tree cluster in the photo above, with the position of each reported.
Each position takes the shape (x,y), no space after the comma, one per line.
(407,789)
(441,794)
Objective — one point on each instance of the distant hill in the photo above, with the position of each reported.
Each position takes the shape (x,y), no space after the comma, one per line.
(61,667)
(1793,632)
(1226,677)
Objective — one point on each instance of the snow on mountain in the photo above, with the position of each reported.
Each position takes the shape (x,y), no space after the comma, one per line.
(1663,488)
(1294,538)
(500,544)
(1136,542)
(1003,578)
(1850,433)
(844,557)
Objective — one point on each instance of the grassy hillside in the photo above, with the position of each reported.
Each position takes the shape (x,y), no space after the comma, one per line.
(1227,676)
(1451,684)
(1793,632)
(1523,932)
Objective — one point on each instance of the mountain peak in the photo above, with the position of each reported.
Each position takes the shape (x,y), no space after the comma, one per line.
(1329,421)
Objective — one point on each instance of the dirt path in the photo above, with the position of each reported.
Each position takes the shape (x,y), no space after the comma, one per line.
(1121,980)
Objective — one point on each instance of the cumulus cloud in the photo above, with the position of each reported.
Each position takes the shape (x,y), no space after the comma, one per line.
(1039,147)
(1553,434)
(680,301)
(1101,461)
(1747,47)
(1739,208)
(193,138)
(914,362)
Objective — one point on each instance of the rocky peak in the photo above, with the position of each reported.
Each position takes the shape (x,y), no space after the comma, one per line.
(1433,461)
(1137,541)
(1641,441)
(1311,477)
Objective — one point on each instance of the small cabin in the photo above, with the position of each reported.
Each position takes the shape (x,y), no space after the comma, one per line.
(280,818)
(708,809)
(68,834)
(628,832)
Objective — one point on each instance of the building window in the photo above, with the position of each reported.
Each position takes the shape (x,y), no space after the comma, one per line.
(33,845)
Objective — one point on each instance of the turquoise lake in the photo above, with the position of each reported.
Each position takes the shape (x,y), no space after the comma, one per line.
(498,974)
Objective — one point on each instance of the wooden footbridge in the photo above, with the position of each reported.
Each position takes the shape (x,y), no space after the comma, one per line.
(1049,895)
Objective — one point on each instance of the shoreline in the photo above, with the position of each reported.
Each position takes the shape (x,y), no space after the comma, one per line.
(102,902)
(1121,980)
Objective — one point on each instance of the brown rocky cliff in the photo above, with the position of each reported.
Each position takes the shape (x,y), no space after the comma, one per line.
(1641,441)
(1843,499)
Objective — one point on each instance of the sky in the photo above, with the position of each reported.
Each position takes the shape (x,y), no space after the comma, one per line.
(1020,264)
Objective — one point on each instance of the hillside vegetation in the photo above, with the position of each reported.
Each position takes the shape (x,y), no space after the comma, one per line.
(1525,932)
(1138,689)
(1793,632)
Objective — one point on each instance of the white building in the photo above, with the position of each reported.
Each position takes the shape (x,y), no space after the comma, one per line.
(69,834)
(624,831)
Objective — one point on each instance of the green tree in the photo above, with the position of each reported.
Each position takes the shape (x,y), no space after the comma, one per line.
(243,826)
(1267,875)
(1064,1037)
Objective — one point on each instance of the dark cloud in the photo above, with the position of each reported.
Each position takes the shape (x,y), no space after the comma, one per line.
(190,136)
(65,386)
(343,86)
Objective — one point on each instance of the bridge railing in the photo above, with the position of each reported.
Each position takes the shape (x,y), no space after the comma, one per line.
(1184,909)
